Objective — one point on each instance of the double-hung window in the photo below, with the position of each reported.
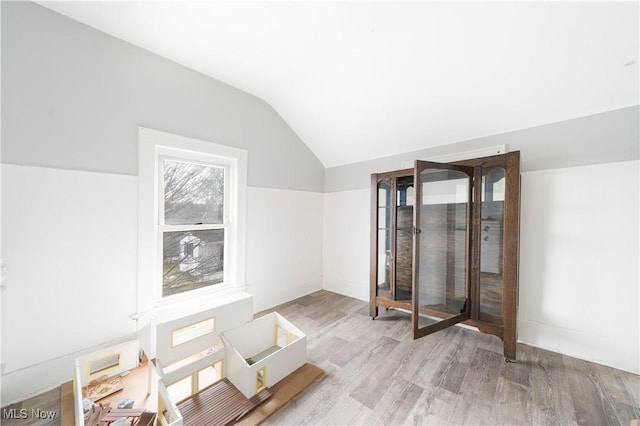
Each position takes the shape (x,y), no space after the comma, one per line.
(193,223)
(191,220)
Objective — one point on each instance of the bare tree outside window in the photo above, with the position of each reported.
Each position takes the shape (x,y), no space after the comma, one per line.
(193,195)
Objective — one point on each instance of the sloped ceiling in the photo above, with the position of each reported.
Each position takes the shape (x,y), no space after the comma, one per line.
(360,80)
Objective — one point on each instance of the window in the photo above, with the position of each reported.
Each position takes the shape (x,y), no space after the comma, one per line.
(283,337)
(191,218)
(261,379)
(192,332)
(181,390)
(210,375)
(193,222)
(105,363)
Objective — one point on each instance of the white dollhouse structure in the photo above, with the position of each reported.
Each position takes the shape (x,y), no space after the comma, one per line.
(192,352)
(263,352)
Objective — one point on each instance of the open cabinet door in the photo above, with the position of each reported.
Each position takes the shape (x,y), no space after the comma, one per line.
(442,246)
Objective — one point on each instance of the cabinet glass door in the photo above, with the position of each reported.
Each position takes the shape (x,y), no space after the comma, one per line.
(441,246)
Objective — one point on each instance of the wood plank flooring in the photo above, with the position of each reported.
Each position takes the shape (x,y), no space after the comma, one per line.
(375,374)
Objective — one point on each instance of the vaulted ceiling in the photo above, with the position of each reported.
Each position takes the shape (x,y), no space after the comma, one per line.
(358,80)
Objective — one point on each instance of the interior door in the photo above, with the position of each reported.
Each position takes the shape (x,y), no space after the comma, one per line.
(442,246)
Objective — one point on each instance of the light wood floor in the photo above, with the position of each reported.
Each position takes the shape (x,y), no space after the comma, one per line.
(375,374)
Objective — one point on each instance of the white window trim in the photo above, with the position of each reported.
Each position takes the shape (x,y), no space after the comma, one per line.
(154,144)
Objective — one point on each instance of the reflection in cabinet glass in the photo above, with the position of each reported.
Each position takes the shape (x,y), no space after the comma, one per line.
(442,256)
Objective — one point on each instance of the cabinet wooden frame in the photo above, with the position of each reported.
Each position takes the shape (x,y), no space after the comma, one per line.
(375,179)
(503,323)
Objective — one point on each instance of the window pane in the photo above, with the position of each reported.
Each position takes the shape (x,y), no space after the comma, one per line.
(192,260)
(181,389)
(104,363)
(261,379)
(193,193)
(210,375)
(191,332)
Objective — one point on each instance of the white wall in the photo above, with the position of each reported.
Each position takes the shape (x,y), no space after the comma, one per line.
(579,263)
(345,249)
(284,245)
(70,243)
(578,259)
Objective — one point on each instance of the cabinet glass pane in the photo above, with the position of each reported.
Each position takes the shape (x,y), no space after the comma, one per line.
(384,237)
(405,192)
(384,217)
(491,229)
(384,260)
(404,238)
(443,251)
(404,260)
(384,194)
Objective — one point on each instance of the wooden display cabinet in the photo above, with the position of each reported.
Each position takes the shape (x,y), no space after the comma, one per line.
(447,248)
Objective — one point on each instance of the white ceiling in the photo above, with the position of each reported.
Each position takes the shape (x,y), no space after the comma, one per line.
(359,80)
